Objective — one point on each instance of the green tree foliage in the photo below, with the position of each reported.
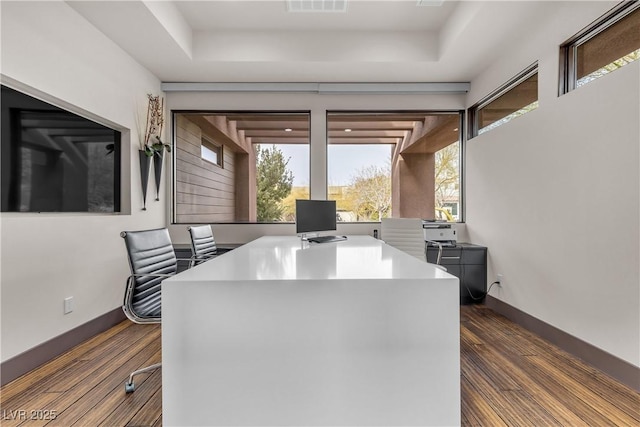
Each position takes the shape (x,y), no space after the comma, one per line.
(370,193)
(446,177)
(618,63)
(274,182)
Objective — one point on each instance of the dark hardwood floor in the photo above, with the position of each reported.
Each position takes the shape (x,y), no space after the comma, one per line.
(509,377)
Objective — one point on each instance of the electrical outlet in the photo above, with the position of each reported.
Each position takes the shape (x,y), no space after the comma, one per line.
(68,305)
(500,279)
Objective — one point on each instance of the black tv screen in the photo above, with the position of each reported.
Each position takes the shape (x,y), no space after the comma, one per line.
(315,215)
(54,160)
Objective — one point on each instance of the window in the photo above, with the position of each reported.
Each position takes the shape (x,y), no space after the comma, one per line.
(211,152)
(388,164)
(609,44)
(515,98)
(235,167)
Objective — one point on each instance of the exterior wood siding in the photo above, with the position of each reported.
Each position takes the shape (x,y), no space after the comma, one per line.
(205,192)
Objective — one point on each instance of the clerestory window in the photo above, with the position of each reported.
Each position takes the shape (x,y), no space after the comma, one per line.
(610,43)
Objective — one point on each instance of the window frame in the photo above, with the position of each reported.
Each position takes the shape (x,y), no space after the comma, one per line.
(473,111)
(568,50)
(212,146)
(174,170)
(462,140)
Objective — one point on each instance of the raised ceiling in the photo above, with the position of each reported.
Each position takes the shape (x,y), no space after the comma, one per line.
(371,41)
(259,41)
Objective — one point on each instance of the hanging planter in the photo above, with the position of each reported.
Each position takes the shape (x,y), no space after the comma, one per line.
(145,165)
(152,146)
(158,159)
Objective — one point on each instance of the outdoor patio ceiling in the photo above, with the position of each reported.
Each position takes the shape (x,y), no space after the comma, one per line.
(432,131)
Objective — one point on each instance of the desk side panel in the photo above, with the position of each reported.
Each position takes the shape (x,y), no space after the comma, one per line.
(341,352)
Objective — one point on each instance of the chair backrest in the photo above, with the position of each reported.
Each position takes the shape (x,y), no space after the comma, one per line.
(150,254)
(203,245)
(405,234)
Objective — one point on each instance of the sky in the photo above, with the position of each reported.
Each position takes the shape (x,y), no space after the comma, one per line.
(343,161)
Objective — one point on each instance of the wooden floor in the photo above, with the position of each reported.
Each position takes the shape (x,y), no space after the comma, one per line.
(509,377)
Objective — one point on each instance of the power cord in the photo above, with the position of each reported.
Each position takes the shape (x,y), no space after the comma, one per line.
(485,294)
(462,273)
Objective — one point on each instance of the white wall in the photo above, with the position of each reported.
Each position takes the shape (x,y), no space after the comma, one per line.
(318,105)
(49,50)
(555,194)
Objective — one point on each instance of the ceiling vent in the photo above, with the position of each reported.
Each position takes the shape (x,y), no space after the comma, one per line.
(316,5)
(430,2)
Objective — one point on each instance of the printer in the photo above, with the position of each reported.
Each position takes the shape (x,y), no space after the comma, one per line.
(439,233)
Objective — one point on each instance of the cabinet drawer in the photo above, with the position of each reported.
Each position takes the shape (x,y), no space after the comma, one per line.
(449,255)
(458,255)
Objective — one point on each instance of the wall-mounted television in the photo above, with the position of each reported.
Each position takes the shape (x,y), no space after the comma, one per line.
(315,215)
(54,160)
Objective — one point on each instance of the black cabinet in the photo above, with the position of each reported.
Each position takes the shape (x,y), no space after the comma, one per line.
(468,263)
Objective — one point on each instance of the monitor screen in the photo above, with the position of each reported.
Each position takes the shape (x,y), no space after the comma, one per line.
(54,160)
(315,215)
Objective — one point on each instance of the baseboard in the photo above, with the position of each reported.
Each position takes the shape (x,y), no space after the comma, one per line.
(611,365)
(31,359)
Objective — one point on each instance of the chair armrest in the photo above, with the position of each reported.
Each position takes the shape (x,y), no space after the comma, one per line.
(150,275)
(199,259)
(439,245)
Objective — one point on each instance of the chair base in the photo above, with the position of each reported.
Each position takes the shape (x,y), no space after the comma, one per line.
(129,386)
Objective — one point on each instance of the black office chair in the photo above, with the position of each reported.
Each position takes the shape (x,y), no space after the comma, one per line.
(203,245)
(152,259)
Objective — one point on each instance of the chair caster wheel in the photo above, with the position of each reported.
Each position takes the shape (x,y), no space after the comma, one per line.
(129,387)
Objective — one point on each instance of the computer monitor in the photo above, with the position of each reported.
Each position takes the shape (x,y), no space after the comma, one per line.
(315,215)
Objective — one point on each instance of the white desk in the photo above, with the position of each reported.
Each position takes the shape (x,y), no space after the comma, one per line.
(275,333)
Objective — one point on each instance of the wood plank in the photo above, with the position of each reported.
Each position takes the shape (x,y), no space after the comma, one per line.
(111,386)
(196,160)
(509,377)
(203,209)
(118,408)
(149,413)
(197,190)
(205,219)
(190,161)
(21,384)
(54,378)
(114,366)
(476,409)
(189,178)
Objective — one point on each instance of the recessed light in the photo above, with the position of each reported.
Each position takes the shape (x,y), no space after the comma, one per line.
(455,130)
(347,130)
(288,130)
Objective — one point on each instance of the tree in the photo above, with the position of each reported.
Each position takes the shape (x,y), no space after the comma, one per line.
(370,193)
(618,63)
(274,183)
(446,175)
(289,203)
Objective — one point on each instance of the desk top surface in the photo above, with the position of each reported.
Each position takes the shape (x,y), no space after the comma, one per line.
(288,258)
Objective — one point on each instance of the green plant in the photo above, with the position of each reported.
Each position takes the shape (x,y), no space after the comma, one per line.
(156,147)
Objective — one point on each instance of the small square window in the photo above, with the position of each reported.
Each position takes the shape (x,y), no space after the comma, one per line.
(211,152)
